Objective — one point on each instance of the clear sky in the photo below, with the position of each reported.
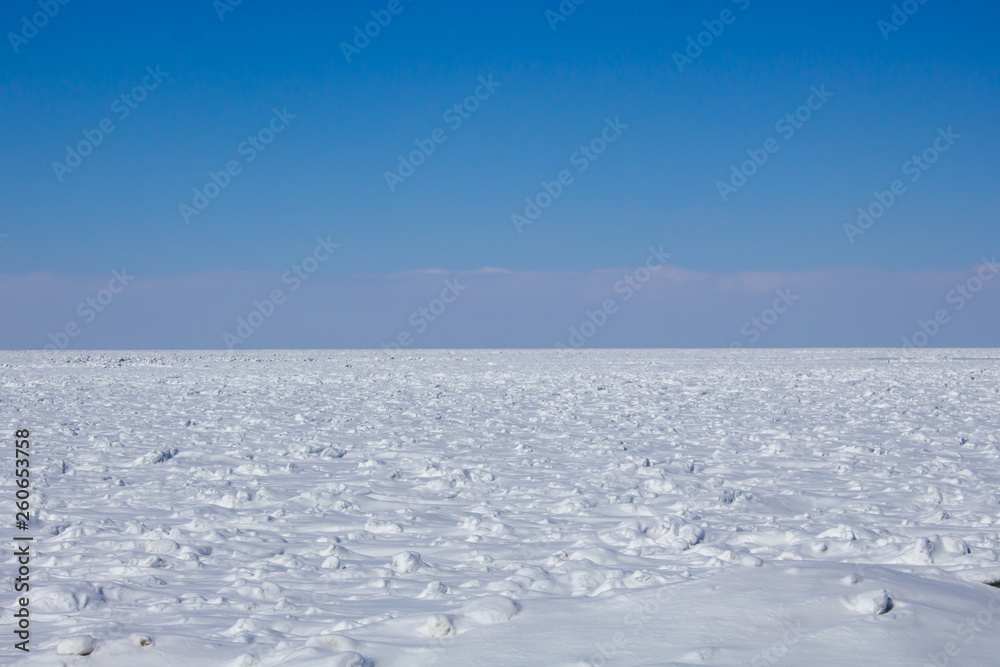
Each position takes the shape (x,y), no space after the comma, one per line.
(240,133)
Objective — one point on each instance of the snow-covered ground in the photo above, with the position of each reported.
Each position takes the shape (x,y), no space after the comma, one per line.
(509,507)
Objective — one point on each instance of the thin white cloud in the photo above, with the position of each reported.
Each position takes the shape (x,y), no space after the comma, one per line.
(500,307)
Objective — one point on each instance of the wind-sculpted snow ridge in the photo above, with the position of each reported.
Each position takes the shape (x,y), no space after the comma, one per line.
(725,507)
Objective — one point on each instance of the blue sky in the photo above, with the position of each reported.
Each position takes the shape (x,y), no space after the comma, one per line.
(889,95)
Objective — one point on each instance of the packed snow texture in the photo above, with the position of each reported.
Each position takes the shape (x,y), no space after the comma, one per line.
(510,507)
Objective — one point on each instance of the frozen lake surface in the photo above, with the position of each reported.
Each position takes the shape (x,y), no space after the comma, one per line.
(820,507)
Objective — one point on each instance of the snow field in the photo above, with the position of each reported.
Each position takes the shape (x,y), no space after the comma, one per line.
(819,507)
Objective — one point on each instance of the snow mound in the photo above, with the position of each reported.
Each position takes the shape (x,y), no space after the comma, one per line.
(438,625)
(406,562)
(80,645)
(491,610)
(150,458)
(870,602)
